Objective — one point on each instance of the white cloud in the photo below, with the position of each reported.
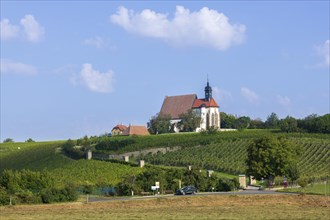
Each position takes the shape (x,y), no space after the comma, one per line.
(283,100)
(323,50)
(221,94)
(97,42)
(34,32)
(205,27)
(95,80)
(7,30)
(29,28)
(13,67)
(249,95)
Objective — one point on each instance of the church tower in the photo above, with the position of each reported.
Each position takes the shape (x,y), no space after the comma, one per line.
(208,92)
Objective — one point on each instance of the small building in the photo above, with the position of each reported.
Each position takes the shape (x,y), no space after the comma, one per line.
(135,130)
(118,129)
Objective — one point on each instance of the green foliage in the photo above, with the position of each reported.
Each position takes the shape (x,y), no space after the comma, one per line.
(32,155)
(65,194)
(27,186)
(302,181)
(189,121)
(233,122)
(30,140)
(226,151)
(289,124)
(272,121)
(95,172)
(315,124)
(4,196)
(114,143)
(227,121)
(73,151)
(160,124)
(269,156)
(88,188)
(225,185)
(242,123)
(292,172)
(256,124)
(8,140)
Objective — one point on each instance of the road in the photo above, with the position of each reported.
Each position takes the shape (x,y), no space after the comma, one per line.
(242,192)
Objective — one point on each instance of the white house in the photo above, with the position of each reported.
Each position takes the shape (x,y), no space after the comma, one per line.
(206,108)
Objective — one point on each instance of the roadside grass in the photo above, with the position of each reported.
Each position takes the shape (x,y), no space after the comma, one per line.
(182,207)
(316,189)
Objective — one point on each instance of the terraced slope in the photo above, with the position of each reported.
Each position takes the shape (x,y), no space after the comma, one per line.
(229,156)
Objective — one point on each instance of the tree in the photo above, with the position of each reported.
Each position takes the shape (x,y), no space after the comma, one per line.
(160,124)
(289,124)
(292,172)
(272,121)
(189,121)
(256,124)
(227,121)
(8,140)
(29,140)
(242,123)
(270,156)
(316,124)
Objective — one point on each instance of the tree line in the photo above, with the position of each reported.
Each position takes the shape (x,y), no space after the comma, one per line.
(313,123)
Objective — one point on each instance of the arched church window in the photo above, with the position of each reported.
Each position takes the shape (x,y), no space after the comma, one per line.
(207,120)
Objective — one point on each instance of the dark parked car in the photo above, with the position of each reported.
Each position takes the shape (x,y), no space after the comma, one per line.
(186,190)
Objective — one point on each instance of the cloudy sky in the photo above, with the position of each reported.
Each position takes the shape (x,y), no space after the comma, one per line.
(76,68)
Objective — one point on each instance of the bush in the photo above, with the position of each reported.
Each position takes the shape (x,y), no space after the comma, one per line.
(302,181)
(27,197)
(66,194)
(225,185)
(70,150)
(4,197)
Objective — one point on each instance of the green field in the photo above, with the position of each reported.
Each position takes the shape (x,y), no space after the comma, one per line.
(32,155)
(316,189)
(224,152)
(40,156)
(94,172)
(229,156)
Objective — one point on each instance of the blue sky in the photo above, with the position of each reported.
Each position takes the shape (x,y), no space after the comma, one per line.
(76,68)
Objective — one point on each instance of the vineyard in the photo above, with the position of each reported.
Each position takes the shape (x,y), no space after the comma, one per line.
(229,156)
(32,155)
(222,151)
(94,172)
(48,156)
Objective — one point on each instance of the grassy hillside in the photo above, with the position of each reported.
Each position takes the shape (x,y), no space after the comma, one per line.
(94,172)
(48,155)
(33,155)
(229,156)
(222,151)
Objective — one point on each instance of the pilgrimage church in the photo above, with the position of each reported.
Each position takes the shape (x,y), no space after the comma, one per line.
(206,108)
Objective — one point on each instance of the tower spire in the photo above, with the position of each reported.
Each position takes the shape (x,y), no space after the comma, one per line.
(208,90)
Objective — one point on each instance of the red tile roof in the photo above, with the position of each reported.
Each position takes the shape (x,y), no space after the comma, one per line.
(176,105)
(136,130)
(200,102)
(120,127)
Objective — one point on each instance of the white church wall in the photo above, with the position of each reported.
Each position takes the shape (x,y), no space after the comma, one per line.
(208,112)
